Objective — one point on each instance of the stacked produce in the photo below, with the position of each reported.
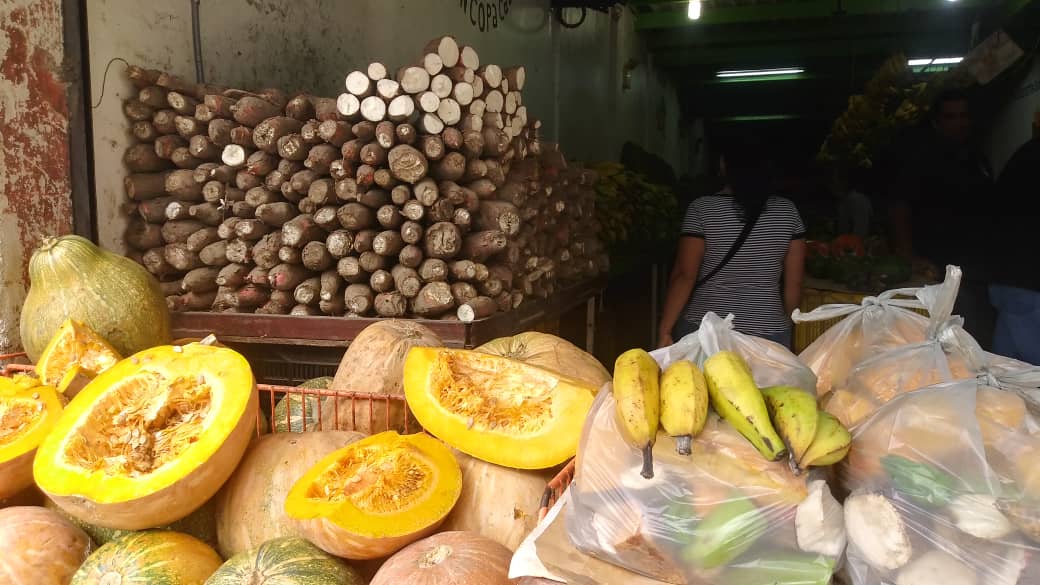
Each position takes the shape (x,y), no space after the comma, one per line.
(633,209)
(422,193)
(152,471)
(847,260)
(896,98)
(725,500)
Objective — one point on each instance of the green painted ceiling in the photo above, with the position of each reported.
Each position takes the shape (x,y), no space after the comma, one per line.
(840,43)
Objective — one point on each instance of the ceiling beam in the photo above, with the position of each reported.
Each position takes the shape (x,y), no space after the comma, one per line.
(798,53)
(808,10)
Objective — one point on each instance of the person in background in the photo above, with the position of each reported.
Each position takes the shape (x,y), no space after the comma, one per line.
(854,208)
(943,182)
(1015,287)
(733,249)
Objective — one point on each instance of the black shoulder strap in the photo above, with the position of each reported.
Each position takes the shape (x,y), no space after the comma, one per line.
(748,226)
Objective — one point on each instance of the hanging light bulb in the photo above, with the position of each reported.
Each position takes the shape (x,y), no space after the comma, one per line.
(694,10)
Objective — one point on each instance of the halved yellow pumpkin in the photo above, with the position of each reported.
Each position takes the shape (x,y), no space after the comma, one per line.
(74,356)
(152,438)
(28,411)
(497,409)
(376,496)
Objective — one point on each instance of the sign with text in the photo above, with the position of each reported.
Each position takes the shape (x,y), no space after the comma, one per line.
(485,15)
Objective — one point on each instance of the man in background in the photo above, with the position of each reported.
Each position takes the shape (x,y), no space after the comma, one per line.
(1015,290)
(941,193)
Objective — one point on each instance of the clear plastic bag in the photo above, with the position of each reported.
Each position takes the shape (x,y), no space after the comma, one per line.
(875,325)
(949,354)
(945,486)
(723,515)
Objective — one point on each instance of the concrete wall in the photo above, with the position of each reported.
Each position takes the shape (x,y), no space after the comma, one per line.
(573,75)
(1013,125)
(35,189)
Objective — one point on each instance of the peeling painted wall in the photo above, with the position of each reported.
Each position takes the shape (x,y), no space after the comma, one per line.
(573,76)
(35,190)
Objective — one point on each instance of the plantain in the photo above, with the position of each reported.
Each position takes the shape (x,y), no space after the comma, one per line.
(638,397)
(794,415)
(684,403)
(736,398)
(830,445)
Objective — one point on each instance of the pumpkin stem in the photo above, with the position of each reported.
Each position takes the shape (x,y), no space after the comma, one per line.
(209,340)
(434,557)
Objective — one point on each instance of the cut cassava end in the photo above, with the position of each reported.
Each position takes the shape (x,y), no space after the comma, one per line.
(348,105)
(447,48)
(413,80)
(407,164)
(416,483)
(540,430)
(170,466)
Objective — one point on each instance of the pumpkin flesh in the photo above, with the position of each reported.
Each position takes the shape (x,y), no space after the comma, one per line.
(250,508)
(151,439)
(285,561)
(74,355)
(377,495)
(70,277)
(448,557)
(551,353)
(28,412)
(40,547)
(496,409)
(152,557)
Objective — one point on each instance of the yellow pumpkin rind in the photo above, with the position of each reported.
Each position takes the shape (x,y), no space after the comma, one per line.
(135,504)
(555,443)
(344,530)
(16,459)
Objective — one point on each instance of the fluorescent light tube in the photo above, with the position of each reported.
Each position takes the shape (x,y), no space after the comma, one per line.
(694,11)
(947,61)
(760,72)
(919,62)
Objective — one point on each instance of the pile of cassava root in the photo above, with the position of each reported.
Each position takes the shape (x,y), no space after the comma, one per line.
(423,193)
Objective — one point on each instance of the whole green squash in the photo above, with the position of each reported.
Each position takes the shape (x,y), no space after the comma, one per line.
(70,277)
(285,561)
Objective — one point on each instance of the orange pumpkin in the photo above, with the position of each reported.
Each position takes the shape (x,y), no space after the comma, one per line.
(374,362)
(40,547)
(497,502)
(448,557)
(551,353)
(251,505)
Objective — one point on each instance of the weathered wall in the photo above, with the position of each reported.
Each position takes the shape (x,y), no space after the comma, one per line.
(35,199)
(573,81)
(150,34)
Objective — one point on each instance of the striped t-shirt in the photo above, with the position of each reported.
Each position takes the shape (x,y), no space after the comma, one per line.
(749,285)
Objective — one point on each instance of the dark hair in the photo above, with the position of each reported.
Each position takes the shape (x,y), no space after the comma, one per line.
(949,95)
(749,173)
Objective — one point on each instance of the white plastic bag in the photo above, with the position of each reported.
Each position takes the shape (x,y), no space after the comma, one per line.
(875,325)
(723,515)
(945,485)
(771,364)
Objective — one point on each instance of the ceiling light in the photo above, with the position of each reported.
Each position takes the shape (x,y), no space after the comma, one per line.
(947,61)
(694,10)
(760,72)
(919,62)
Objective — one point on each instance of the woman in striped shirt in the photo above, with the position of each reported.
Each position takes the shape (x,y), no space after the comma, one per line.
(735,246)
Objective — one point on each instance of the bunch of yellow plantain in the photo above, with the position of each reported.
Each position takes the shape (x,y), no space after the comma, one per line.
(778,420)
(647,399)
